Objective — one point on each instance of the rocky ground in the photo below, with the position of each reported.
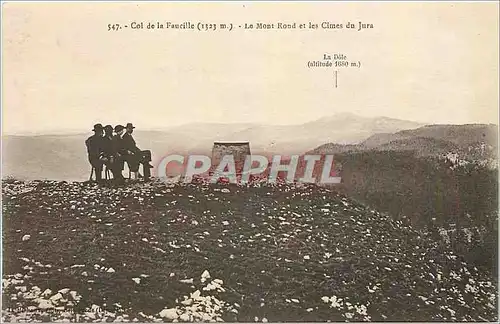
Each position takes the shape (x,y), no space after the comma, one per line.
(199,252)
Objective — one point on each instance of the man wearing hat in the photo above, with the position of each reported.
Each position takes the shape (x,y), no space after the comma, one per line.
(108,153)
(135,155)
(129,142)
(118,152)
(94,149)
(108,141)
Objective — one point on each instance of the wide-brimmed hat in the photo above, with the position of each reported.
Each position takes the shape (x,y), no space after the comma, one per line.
(97,127)
(119,128)
(129,125)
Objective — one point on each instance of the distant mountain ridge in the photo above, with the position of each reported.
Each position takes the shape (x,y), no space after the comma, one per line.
(63,157)
(461,135)
(470,140)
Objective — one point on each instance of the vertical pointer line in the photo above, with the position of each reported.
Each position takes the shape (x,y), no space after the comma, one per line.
(336,85)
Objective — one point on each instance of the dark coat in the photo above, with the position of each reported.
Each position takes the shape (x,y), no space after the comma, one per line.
(128,151)
(128,143)
(117,145)
(94,146)
(107,146)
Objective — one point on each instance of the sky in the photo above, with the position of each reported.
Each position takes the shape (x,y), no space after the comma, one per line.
(427,62)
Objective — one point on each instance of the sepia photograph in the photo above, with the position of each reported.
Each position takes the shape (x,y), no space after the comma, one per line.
(249,161)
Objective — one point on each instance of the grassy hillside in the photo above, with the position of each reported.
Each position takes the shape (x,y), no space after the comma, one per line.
(213,252)
(441,176)
(430,194)
(424,188)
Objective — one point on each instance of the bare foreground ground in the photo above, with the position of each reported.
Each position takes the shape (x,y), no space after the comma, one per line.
(198,252)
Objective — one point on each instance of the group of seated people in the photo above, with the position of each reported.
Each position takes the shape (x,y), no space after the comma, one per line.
(112,147)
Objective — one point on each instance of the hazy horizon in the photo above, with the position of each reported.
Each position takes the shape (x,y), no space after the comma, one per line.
(62,131)
(166,128)
(432,63)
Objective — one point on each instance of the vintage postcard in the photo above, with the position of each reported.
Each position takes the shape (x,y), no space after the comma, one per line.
(250,161)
